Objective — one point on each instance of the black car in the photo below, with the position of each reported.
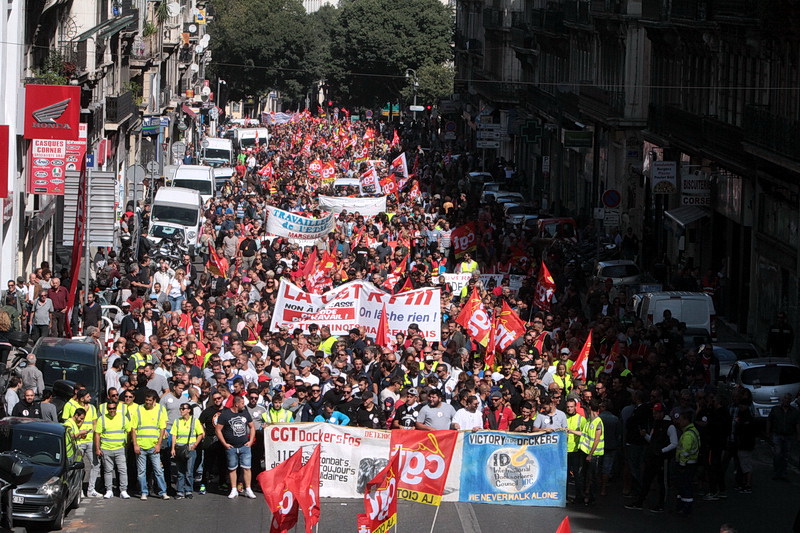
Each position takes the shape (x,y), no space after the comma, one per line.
(78,361)
(56,483)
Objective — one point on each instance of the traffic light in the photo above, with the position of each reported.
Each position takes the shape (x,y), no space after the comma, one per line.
(428,107)
(330,103)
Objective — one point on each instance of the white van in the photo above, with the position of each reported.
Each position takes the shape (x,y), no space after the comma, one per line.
(246,137)
(197,177)
(346,187)
(176,208)
(696,309)
(217,152)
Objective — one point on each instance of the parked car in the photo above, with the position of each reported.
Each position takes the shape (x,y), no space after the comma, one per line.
(56,484)
(506,197)
(620,271)
(78,361)
(515,213)
(729,352)
(767,379)
(696,309)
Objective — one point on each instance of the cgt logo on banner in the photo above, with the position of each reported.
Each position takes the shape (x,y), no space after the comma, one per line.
(464,238)
(380,498)
(358,303)
(424,463)
(294,226)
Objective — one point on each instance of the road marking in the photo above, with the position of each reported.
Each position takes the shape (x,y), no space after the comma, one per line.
(466,514)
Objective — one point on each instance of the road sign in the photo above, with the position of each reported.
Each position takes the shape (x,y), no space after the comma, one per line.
(488,126)
(152,167)
(598,213)
(90,160)
(213,113)
(178,148)
(487,144)
(413,108)
(368,113)
(611,198)
(612,218)
(531,131)
(449,126)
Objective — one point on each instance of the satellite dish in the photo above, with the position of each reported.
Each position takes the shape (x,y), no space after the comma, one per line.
(173,9)
(205,39)
(205,91)
(192,28)
(199,48)
(194,67)
(204,144)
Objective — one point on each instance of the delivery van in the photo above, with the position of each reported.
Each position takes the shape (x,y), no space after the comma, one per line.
(696,309)
(176,208)
(246,137)
(197,177)
(217,152)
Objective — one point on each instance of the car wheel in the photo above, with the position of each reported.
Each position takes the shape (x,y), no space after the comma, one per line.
(58,522)
(76,501)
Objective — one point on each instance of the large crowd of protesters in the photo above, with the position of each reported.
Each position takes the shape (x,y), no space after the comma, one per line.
(197,341)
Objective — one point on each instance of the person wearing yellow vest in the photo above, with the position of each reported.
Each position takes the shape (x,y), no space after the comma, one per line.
(147,433)
(86,443)
(73,425)
(141,358)
(468,265)
(109,442)
(686,455)
(562,379)
(327,342)
(71,406)
(276,414)
(592,447)
(187,432)
(575,423)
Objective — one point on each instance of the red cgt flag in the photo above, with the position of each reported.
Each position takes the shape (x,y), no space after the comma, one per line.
(545,288)
(380,497)
(509,327)
(304,484)
(395,140)
(382,337)
(580,369)
(393,277)
(280,500)
(474,317)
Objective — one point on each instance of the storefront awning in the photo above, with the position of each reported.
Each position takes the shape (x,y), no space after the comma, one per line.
(688,214)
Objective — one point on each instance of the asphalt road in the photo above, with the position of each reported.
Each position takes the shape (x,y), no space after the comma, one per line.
(771,508)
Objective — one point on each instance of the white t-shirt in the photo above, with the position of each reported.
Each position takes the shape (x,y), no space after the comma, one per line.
(466,420)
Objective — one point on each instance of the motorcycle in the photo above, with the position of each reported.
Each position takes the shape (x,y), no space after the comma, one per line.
(171,250)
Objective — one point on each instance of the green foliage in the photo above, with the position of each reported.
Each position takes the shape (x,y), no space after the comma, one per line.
(54,71)
(149,29)
(435,83)
(377,40)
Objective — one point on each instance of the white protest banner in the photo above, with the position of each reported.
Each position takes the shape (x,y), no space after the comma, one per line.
(350,456)
(286,224)
(358,303)
(459,281)
(366,206)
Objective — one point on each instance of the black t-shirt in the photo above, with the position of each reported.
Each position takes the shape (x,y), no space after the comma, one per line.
(406,415)
(209,418)
(29,410)
(235,427)
(517,422)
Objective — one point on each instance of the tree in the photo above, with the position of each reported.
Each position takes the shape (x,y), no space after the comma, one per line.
(260,45)
(375,41)
(435,83)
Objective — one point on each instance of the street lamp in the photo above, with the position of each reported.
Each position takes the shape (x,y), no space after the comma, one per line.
(219,95)
(412,75)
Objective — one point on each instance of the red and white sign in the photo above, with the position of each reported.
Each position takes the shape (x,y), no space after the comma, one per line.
(464,238)
(52,111)
(380,498)
(424,463)
(358,303)
(545,289)
(475,319)
(49,160)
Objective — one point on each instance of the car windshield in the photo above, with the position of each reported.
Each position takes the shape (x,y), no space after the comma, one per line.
(201,186)
(771,375)
(55,369)
(166,232)
(175,215)
(218,153)
(620,271)
(41,448)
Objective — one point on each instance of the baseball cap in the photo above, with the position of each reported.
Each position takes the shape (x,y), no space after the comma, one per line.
(412,391)
(565,351)
(497,394)
(658,407)
(413,326)
(429,359)
(305,364)
(257,349)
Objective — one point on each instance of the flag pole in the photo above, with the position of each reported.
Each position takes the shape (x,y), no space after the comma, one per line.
(435,516)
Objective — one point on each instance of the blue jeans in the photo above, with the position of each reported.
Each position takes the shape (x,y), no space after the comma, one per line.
(158,472)
(239,457)
(185,482)
(175,303)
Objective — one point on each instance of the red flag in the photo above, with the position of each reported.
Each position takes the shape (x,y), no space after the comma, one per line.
(414,193)
(564,527)
(393,277)
(389,184)
(280,500)
(304,484)
(382,337)
(266,170)
(328,171)
(311,263)
(369,179)
(464,238)
(611,358)
(217,265)
(580,369)
(491,348)
(475,319)
(545,288)
(399,165)
(509,327)
(407,286)
(380,497)
(395,139)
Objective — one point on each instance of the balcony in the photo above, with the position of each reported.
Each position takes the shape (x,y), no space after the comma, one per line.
(119,109)
(547,20)
(145,50)
(616,7)
(705,133)
(693,10)
(577,12)
(778,134)
(76,53)
(603,105)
